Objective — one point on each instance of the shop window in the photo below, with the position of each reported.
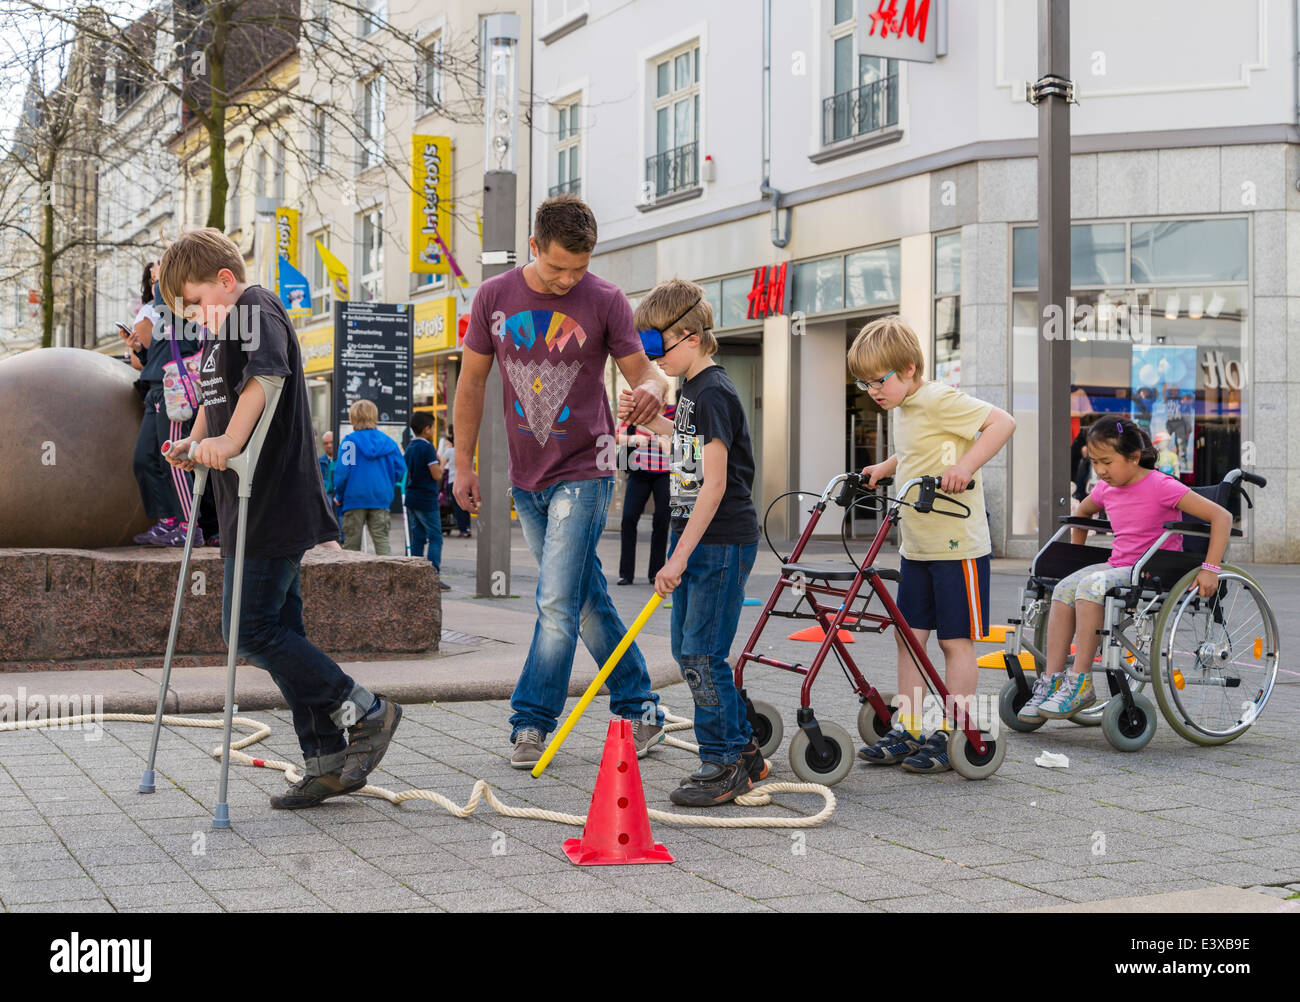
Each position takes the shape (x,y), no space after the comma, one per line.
(1190,250)
(818,286)
(871,277)
(947,309)
(1096,255)
(735,300)
(713,296)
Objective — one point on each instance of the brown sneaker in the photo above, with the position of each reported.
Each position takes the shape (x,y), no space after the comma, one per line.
(368,739)
(312,790)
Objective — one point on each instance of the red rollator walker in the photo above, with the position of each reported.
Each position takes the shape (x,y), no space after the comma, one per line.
(823,752)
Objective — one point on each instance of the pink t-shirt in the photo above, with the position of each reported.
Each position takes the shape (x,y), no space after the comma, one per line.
(1137,514)
(552,352)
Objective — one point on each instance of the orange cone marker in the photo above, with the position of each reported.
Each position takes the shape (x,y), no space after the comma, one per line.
(618,827)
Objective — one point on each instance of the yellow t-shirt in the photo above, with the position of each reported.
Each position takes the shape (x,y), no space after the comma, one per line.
(933,429)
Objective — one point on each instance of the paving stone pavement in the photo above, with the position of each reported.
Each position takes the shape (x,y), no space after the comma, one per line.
(76,836)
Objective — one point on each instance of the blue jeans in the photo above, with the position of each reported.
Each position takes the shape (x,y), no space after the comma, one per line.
(272,637)
(706,612)
(426,531)
(562,525)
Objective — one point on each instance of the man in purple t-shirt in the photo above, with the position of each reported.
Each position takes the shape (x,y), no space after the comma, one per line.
(551,325)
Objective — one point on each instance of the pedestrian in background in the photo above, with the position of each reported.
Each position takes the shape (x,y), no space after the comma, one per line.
(369,466)
(448,455)
(327,465)
(647,476)
(423,481)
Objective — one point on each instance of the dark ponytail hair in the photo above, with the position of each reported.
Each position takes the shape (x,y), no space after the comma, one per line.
(1124,437)
(146,284)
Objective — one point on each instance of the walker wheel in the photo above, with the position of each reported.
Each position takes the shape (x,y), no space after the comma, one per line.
(1009,703)
(768,729)
(814,768)
(966,762)
(870,726)
(1127,733)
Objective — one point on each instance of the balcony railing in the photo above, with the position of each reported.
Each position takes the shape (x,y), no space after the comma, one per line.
(673,170)
(864,109)
(570,187)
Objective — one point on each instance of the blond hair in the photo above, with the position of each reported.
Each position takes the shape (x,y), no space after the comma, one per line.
(670,303)
(197,256)
(363,414)
(884,345)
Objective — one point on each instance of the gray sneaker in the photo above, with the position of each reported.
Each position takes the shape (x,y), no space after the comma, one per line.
(646,736)
(1044,686)
(529,745)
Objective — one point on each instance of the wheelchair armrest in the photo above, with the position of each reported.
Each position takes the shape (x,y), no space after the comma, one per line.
(1085,523)
(1194,528)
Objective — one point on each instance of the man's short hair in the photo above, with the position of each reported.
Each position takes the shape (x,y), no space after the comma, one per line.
(671,301)
(195,257)
(567,220)
(420,421)
(363,414)
(884,345)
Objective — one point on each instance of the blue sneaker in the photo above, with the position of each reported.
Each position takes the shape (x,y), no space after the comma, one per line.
(931,756)
(891,749)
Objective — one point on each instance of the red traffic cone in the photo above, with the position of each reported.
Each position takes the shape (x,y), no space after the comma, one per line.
(815,634)
(618,827)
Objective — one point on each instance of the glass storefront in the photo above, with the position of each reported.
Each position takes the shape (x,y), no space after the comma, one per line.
(1158,338)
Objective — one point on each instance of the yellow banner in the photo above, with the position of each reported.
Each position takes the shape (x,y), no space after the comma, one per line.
(317,347)
(286,234)
(430,204)
(337,271)
(435,325)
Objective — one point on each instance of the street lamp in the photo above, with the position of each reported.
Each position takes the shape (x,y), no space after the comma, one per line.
(500,163)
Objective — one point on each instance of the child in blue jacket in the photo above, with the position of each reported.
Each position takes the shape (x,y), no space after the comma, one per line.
(369,465)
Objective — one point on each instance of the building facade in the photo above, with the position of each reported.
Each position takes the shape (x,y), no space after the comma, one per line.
(911,187)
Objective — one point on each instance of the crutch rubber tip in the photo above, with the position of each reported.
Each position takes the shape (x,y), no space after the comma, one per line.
(222,818)
(146,782)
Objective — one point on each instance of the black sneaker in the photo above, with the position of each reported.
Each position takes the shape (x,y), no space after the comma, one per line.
(892,748)
(312,790)
(712,783)
(931,756)
(368,739)
(759,767)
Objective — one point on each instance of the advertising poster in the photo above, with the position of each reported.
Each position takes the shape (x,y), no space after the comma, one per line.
(1163,394)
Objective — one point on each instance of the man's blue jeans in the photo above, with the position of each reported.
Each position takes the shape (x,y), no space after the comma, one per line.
(562,525)
(426,531)
(272,637)
(706,612)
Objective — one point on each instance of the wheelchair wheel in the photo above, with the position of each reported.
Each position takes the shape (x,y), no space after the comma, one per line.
(1129,733)
(813,768)
(1009,703)
(966,762)
(870,726)
(768,729)
(1214,662)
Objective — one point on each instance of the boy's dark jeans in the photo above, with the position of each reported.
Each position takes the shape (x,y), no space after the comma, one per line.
(273,638)
(706,612)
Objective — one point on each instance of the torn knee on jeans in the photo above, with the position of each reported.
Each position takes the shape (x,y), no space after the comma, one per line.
(695,670)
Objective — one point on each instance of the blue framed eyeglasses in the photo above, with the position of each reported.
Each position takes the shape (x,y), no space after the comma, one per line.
(652,340)
(870,385)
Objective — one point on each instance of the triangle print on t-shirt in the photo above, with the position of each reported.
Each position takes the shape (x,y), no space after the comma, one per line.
(542,382)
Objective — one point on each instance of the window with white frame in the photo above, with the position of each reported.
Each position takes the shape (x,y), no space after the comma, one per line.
(319,26)
(559,11)
(675,164)
(196,181)
(259,174)
(863,89)
(371,109)
(318,138)
(568,147)
(322,296)
(370,256)
(430,82)
(277,169)
(371,16)
(233,220)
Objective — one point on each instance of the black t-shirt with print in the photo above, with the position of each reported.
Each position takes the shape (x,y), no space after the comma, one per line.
(709,407)
(288,513)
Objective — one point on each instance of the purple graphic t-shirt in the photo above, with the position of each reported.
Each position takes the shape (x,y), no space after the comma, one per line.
(552,352)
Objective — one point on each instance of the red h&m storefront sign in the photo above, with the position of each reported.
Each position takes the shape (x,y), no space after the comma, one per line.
(903,29)
(767,296)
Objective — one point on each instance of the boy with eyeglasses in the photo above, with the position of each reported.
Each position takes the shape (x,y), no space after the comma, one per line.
(937,431)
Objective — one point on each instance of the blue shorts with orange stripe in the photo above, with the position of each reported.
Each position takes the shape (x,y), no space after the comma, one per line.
(950,597)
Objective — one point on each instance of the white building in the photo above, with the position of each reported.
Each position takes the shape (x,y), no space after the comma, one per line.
(912,188)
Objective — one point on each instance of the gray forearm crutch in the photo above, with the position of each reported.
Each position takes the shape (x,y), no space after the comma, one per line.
(243,465)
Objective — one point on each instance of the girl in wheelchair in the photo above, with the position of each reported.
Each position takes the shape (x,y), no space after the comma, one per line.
(1138,499)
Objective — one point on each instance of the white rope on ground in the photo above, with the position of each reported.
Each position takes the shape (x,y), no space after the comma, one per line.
(759,796)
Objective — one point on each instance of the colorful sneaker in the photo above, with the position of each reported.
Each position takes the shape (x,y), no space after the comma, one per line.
(176,535)
(154,535)
(213,540)
(891,749)
(1075,693)
(1044,686)
(759,767)
(931,756)
(712,783)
